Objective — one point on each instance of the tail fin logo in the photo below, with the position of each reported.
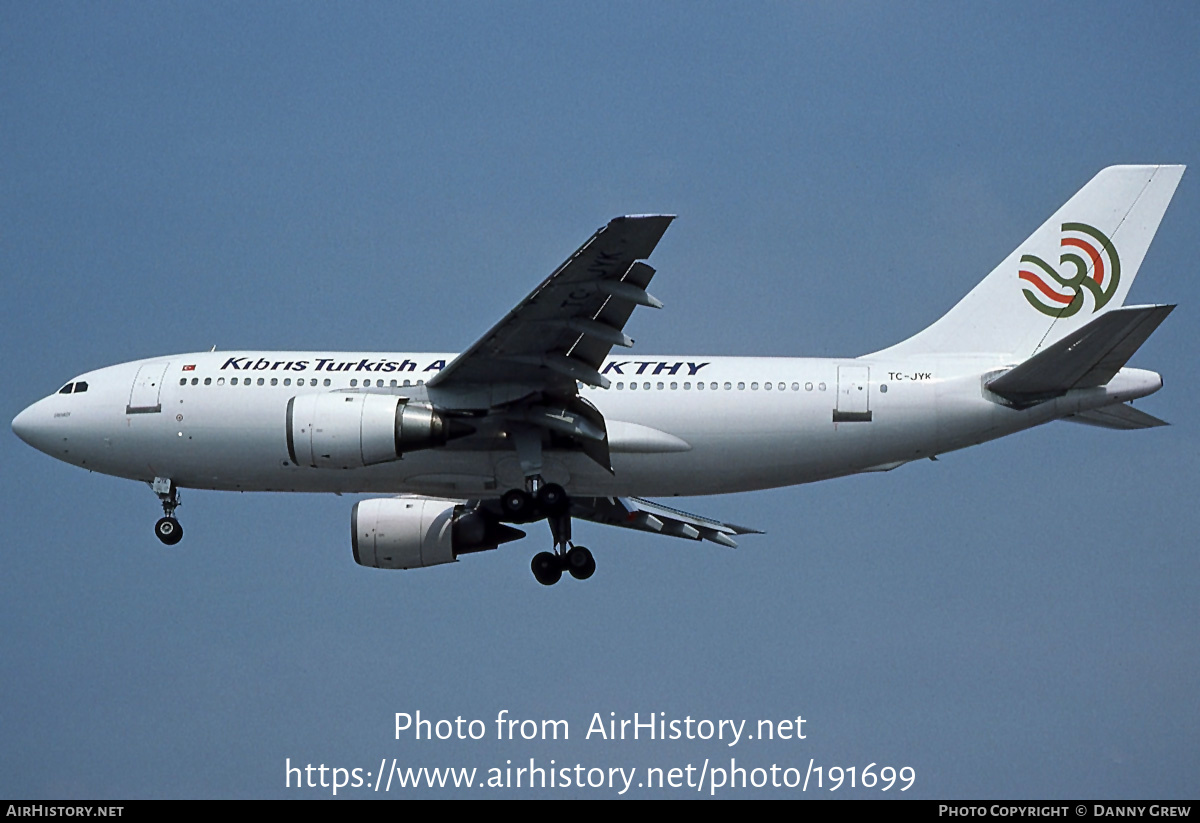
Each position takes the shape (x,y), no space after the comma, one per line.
(1086,249)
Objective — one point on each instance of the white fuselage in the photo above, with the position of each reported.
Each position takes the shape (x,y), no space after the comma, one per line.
(677,425)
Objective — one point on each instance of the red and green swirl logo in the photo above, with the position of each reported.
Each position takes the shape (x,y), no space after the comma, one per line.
(1097,271)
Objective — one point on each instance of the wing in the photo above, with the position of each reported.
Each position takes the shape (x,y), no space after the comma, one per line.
(565,328)
(643,515)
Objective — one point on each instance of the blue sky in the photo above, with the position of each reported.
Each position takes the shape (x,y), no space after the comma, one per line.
(1015,620)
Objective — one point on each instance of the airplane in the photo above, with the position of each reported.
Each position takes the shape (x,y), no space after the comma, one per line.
(540,420)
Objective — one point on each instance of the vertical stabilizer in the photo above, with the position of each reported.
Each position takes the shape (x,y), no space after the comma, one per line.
(1079,264)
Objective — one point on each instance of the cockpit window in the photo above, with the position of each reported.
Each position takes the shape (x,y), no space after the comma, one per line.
(66,389)
(80,386)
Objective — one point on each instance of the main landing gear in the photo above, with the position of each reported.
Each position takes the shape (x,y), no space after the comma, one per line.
(167,529)
(549,566)
(551,501)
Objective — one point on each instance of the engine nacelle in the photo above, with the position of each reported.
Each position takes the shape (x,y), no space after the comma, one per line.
(412,532)
(349,430)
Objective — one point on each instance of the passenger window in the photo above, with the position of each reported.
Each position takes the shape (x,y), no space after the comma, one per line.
(261,381)
(660,386)
(728,386)
(393,384)
(208,381)
(674,386)
(821,387)
(620,386)
(274,381)
(795,387)
(233,381)
(767,386)
(808,386)
(182,382)
(195,381)
(754,387)
(354,384)
(314,381)
(220,381)
(687,386)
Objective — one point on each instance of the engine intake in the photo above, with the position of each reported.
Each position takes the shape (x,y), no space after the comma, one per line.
(347,430)
(413,532)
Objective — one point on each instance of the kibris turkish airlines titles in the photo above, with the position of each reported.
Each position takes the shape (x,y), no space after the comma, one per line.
(332,364)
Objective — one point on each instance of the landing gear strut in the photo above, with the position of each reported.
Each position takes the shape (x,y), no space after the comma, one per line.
(167,529)
(551,501)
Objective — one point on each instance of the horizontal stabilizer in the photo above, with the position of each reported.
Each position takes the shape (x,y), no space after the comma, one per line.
(1087,357)
(1118,416)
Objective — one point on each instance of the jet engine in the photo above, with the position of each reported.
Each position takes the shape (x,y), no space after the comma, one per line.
(412,532)
(346,430)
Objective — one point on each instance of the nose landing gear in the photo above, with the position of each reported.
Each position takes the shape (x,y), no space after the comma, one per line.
(167,529)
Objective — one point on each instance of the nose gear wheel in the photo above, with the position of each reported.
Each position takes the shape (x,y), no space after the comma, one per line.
(167,529)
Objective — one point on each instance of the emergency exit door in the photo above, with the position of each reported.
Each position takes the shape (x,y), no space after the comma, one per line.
(853,395)
(143,397)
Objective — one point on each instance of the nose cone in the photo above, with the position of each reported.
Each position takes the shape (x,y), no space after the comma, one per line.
(22,425)
(30,426)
